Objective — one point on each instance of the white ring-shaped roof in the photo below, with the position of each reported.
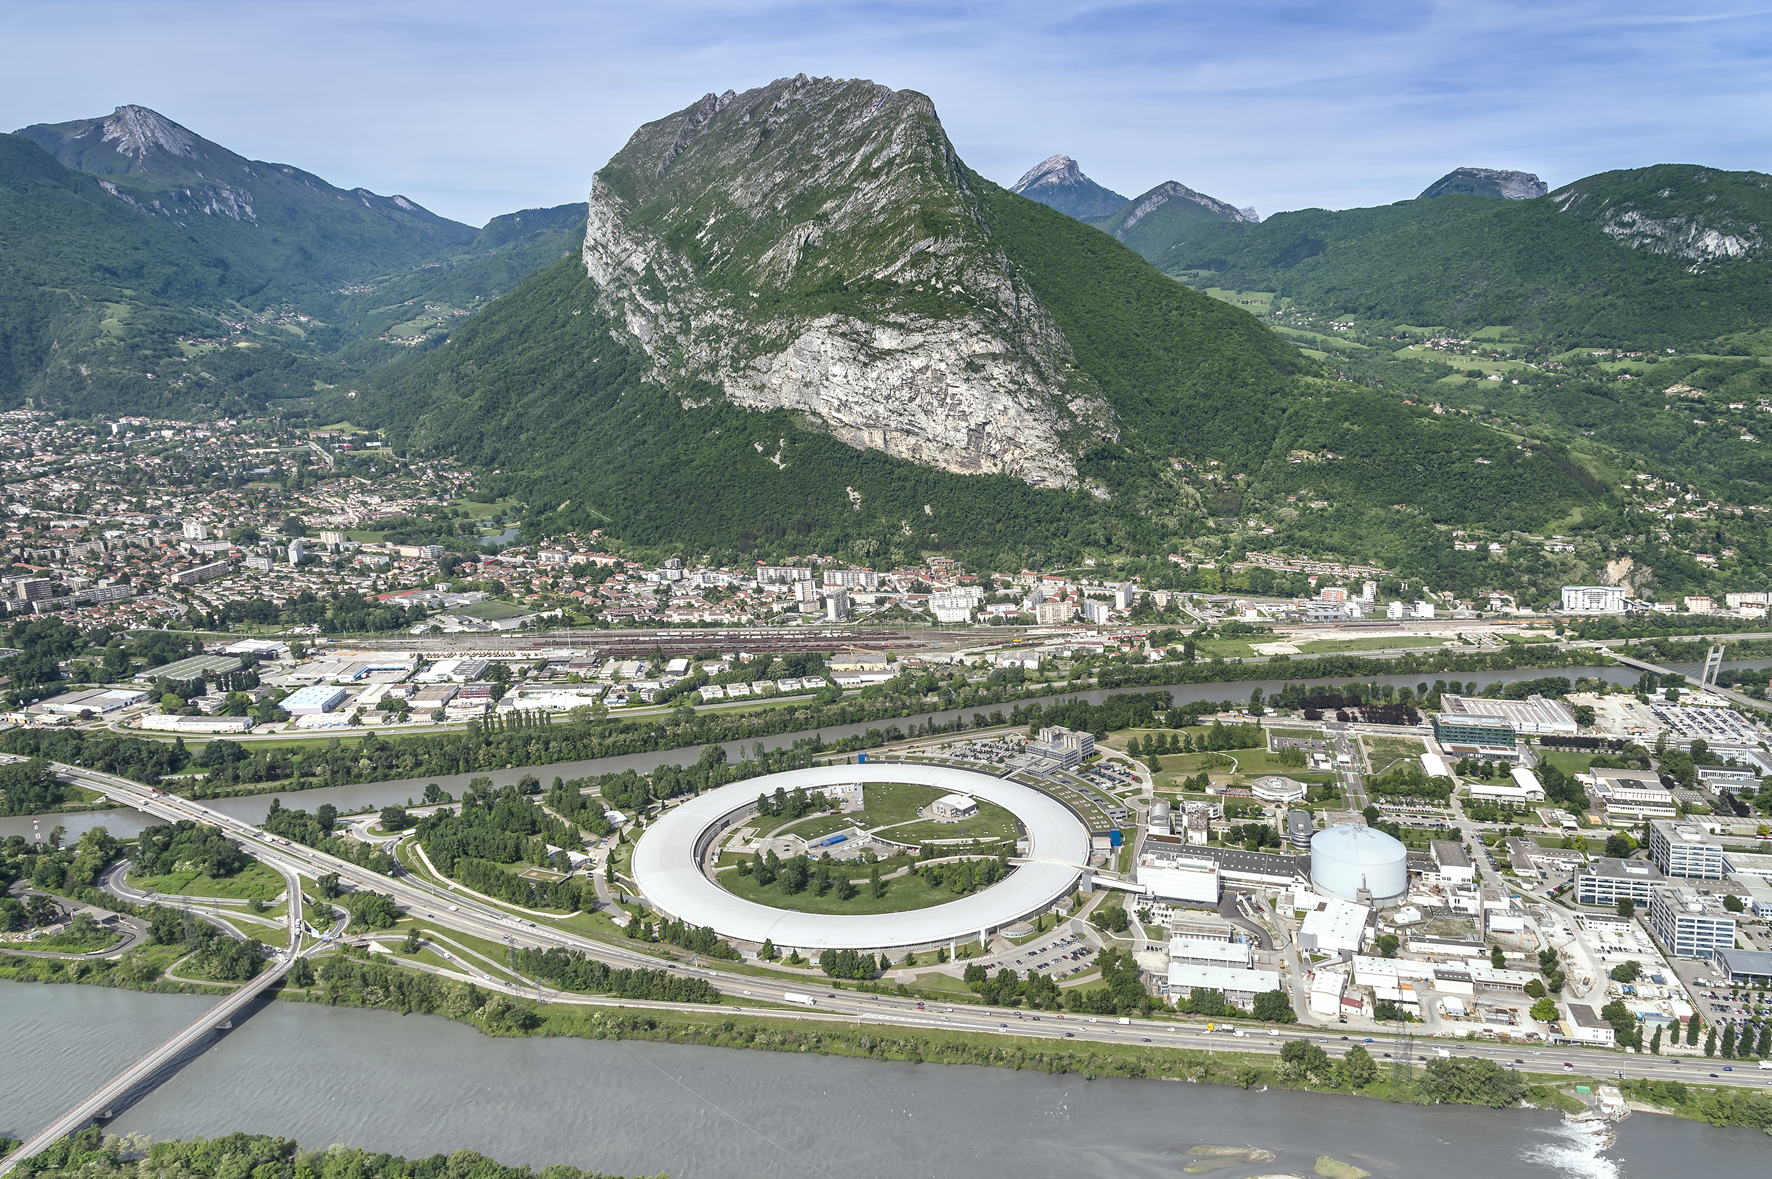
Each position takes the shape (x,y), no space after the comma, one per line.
(666,870)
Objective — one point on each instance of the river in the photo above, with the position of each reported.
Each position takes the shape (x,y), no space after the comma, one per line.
(420,1084)
(252,808)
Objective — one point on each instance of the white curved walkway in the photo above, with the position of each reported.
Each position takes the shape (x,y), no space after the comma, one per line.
(665,865)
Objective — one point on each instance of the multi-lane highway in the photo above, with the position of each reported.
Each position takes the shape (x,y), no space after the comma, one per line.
(453,910)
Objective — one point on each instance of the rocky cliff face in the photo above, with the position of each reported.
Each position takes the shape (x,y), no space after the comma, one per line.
(1702,216)
(814,245)
(1487,182)
(1058,183)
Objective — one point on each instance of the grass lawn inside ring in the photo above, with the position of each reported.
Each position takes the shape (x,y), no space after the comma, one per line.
(667,865)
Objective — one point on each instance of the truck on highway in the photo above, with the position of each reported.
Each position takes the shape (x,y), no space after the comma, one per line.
(797,997)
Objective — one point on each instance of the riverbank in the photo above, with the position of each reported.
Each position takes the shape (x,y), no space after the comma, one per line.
(521,743)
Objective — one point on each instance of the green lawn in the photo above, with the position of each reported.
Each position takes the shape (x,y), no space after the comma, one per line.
(1298,734)
(492,611)
(896,802)
(993,823)
(1385,752)
(1330,646)
(817,825)
(256,880)
(1570,762)
(903,894)
(69,942)
(938,982)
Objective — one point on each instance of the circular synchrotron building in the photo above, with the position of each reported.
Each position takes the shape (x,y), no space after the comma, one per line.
(668,865)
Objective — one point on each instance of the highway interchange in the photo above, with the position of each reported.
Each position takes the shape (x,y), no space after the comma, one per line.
(455,911)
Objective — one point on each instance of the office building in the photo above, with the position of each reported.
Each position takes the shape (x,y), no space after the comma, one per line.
(1685,850)
(1633,795)
(1689,925)
(951,808)
(1487,736)
(1606,882)
(297,550)
(1063,747)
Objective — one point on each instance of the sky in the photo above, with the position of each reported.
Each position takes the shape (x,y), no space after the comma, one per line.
(476,109)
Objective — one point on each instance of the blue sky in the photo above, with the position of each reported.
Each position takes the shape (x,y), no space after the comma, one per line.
(478,109)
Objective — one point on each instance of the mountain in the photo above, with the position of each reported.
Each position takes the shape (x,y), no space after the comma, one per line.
(377,310)
(144,269)
(1058,183)
(1487,182)
(1663,256)
(291,230)
(1158,223)
(799,323)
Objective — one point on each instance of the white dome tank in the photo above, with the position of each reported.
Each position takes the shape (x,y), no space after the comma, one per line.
(1346,860)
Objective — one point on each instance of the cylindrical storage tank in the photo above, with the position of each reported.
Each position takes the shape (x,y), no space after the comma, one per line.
(1347,860)
(1160,820)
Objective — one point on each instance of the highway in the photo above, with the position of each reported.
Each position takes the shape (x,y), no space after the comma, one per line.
(221,1015)
(744,992)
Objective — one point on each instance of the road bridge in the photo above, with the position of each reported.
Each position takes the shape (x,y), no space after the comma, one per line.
(100,1104)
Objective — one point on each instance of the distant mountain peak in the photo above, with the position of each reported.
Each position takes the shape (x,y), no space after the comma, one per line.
(136,129)
(1058,182)
(1487,182)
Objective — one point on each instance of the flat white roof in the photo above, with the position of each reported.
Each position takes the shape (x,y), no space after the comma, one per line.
(665,865)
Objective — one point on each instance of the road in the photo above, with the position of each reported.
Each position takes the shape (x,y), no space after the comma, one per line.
(457,912)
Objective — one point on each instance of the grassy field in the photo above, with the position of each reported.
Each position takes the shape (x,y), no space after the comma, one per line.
(991,823)
(492,611)
(902,895)
(1570,762)
(1332,646)
(895,802)
(1384,752)
(255,880)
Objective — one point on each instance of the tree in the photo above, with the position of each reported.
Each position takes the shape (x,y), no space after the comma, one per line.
(1733,903)
(1627,908)
(1303,1059)
(1113,918)
(1627,972)
(301,973)
(1619,845)
(1387,944)
(876,886)
(411,943)
(1497,959)
(1274,1007)
(327,886)
(1357,1069)
(1472,1082)
(1764,1048)
(1710,1041)
(395,818)
(1692,1032)
(1534,988)
(1545,1010)
(1655,1042)
(768,952)
(1728,1041)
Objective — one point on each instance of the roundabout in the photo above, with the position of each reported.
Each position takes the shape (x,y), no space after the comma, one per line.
(667,865)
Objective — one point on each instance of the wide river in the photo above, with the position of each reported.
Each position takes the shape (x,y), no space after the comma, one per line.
(420,1085)
(251,808)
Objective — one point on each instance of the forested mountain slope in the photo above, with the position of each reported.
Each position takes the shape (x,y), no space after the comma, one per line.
(1651,257)
(589,404)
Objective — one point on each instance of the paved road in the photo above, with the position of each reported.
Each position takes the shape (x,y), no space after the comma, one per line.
(458,912)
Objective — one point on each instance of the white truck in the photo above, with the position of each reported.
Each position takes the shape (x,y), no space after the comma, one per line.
(797,997)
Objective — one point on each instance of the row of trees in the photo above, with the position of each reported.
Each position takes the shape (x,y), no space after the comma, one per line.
(571,970)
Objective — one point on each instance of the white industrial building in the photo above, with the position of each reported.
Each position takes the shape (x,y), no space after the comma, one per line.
(314,699)
(1169,876)
(1593,599)
(1333,926)
(950,808)
(1239,986)
(1359,864)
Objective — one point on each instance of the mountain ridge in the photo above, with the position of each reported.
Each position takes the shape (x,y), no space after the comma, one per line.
(1058,183)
